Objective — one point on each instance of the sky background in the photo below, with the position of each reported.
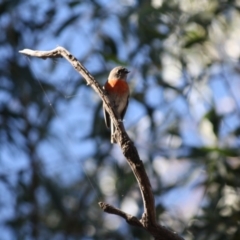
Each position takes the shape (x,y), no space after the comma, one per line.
(67,153)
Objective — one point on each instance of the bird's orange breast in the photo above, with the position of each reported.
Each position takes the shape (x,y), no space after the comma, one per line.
(117,86)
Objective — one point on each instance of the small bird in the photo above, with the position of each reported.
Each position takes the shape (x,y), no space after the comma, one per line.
(117,90)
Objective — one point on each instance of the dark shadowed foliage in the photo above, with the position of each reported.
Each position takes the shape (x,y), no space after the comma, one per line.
(56,160)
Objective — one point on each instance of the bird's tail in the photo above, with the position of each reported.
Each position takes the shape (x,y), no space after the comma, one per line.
(113,138)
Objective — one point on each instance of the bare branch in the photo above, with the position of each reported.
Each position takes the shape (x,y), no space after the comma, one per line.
(112,210)
(148,220)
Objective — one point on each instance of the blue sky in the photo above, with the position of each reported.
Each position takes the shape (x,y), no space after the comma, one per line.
(74,113)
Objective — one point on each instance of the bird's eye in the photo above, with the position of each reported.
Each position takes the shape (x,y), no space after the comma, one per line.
(122,71)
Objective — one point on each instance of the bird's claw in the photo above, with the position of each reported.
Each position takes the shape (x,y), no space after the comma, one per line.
(120,120)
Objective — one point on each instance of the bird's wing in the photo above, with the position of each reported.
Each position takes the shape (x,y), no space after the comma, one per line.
(125,109)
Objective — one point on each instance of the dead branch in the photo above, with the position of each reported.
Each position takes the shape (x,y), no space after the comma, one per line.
(148,220)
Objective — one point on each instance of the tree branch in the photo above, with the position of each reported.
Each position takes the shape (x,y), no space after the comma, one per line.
(148,220)
(112,210)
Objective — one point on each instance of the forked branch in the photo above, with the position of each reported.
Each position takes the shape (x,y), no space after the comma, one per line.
(148,220)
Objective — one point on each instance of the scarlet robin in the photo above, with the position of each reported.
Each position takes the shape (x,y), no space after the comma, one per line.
(117,90)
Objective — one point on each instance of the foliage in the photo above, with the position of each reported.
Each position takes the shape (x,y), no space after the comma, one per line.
(56,161)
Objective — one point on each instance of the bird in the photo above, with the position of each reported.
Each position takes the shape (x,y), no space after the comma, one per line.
(117,90)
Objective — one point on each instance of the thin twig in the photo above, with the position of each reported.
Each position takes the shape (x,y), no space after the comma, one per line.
(112,210)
